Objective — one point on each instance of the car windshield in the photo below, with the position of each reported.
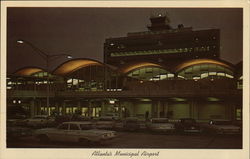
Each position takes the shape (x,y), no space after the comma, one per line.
(86,126)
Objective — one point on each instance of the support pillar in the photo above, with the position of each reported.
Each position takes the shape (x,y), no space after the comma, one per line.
(57,107)
(102,108)
(120,109)
(32,105)
(166,109)
(39,105)
(63,108)
(158,108)
(133,108)
(89,108)
(79,106)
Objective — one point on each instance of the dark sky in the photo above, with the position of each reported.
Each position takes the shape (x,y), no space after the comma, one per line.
(81,32)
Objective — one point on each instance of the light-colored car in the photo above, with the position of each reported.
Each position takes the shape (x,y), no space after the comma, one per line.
(82,132)
(39,121)
(220,126)
(160,125)
(105,122)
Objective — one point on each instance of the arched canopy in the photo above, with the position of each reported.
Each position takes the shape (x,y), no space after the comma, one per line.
(205,68)
(74,65)
(202,61)
(28,71)
(147,71)
(130,67)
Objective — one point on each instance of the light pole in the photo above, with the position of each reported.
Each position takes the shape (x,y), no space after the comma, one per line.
(47,58)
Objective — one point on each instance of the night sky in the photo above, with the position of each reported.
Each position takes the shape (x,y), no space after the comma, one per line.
(81,32)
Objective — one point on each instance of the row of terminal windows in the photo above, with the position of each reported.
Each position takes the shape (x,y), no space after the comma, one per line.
(165,51)
(82,85)
(41,74)
(151,74)
(156,32)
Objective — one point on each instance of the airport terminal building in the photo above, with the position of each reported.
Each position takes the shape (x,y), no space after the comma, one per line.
(163,72)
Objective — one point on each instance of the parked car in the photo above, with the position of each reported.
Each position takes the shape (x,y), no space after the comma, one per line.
(40,121)
(17,120)
(82,132)
(115,116)
(131,124)
(219,126)
(16,132)
(160,125)
(188,125)
(105,122)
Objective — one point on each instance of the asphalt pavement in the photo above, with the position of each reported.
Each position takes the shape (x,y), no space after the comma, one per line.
(143,140)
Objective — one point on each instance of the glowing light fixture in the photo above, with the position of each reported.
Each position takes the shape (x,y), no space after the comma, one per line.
(20,41)
(213,99)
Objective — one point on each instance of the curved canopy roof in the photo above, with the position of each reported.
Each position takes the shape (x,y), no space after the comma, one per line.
(202,61)
(126,69)
(73,65)
(28,71)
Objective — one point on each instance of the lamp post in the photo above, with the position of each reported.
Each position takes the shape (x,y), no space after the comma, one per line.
(47,58)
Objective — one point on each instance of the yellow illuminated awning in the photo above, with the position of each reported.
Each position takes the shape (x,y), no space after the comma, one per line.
(131,67)
(201,61)
(28,71)
(74,65)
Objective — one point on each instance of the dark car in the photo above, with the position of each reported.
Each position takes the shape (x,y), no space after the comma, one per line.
(17,132)
(131,124)
(187,125)
(17,119)
(160,125)
(221,126)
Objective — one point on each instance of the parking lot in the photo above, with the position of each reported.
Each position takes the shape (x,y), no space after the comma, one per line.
(143,140)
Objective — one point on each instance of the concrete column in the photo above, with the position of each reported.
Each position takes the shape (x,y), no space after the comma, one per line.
(39,105)
(133,113)
(89,108)
(152,109)
(63,108)
(79,106)
(57,106)
(103,108)
(158,109)
(119,108)
(32,105)
(35,107)
(233,111)
(166,109)
(191,109)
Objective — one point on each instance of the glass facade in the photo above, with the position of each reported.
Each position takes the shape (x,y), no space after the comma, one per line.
(151,74)
(202,71)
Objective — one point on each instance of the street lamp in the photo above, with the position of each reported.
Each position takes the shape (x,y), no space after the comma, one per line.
(47,58)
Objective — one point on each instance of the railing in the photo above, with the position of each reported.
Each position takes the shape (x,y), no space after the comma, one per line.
(174,84)
(130,93)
